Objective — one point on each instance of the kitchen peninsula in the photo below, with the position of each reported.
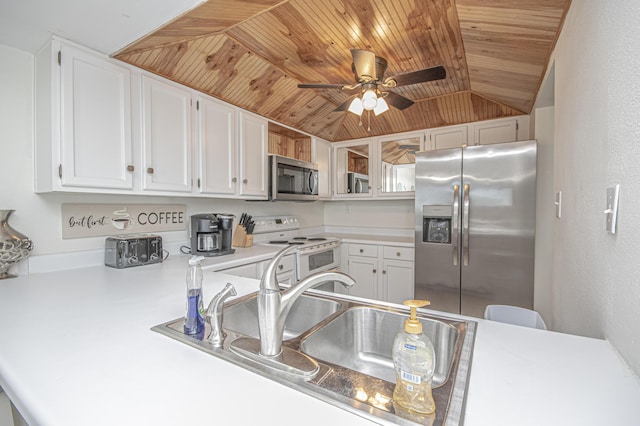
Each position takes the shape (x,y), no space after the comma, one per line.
(76,348)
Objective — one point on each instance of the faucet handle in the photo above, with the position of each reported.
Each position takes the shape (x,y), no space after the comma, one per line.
(214,314)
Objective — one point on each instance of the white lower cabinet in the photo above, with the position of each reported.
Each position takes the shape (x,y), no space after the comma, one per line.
(364,270)
(381,272)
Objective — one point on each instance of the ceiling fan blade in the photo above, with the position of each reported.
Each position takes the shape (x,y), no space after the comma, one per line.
(345,105)
(320,86)
(414,77)
(364,64)
(398,101)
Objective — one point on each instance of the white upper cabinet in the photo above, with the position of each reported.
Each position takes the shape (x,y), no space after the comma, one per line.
(396,162)
(253,156)
(166,136)
(447,137)
(217,146)
(354,168)
(322,150)
(83,121)
(495,131)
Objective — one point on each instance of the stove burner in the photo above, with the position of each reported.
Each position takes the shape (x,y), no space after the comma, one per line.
(299,238)
(316,239)
(279,242)
(295,243)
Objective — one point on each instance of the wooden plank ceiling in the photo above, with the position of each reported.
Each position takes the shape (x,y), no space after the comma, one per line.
(253,54)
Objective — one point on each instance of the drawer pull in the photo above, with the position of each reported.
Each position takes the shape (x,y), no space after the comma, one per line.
(280,267)
(361,250)
(374,271)
(150,170)
(398,254)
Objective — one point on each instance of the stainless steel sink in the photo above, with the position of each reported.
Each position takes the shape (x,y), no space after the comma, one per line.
(351,341)
(307,311)
(361,339)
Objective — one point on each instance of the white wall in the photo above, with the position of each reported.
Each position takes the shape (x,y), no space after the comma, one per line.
(545,211)
(393,214)
(39,215)
(596,276)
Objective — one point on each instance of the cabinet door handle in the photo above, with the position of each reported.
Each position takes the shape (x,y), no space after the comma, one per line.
(384,272)
(361,250)
(130,168)
(150,170)
(375,270)
(234,180)
(245,181)
(281,267)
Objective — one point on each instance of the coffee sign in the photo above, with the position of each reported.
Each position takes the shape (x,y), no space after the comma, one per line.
(93,220)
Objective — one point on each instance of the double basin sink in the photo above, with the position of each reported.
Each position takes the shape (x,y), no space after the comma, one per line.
(351,340)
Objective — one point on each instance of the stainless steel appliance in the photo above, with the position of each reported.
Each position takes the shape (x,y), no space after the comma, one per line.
(475,226)
(292,180)
(314,254)
(357,183)
(211,234)
(124,251)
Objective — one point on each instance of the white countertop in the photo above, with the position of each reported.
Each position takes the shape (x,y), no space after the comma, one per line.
(76,349)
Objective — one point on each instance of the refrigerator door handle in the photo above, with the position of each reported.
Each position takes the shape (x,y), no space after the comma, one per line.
(454,228)
(465,226)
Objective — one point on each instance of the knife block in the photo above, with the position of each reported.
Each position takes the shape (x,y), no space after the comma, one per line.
(241,238)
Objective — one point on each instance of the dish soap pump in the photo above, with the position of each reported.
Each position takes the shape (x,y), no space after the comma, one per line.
(194,317)
(414,361)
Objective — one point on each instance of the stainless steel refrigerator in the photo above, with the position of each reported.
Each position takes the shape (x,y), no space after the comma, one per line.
(475,226)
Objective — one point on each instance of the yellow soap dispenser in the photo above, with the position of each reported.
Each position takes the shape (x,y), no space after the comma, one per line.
(414,360)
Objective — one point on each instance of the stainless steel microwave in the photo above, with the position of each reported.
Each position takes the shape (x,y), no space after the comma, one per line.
(292,180)
(357,183)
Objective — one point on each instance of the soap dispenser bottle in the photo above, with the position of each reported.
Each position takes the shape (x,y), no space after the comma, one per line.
(414,361)
(194,317)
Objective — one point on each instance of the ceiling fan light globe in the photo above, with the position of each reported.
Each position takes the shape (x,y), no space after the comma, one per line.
(356,106)
(369,100)
(381,107)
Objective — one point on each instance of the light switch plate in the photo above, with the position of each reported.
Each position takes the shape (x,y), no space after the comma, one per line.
(611,211)
(558,204)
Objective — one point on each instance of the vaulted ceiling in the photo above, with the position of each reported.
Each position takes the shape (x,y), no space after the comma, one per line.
(253,54)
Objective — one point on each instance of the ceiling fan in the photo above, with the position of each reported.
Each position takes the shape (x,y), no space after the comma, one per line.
(374,89)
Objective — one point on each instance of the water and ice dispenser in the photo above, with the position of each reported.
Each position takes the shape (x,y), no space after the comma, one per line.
(436,224)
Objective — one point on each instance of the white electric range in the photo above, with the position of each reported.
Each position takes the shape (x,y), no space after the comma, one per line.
(313,254)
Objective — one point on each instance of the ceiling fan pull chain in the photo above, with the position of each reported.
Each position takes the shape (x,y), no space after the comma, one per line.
(369,119)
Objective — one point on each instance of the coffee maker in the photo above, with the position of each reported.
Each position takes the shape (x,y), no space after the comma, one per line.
(211,234)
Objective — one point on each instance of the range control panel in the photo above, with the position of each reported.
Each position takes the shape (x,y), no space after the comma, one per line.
(265,224)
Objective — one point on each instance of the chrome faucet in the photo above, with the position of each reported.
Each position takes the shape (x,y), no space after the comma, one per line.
(274,305)
(214,315)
